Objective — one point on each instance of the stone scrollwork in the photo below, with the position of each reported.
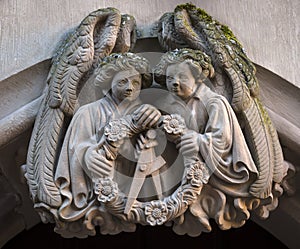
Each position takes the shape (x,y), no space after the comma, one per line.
(204,149)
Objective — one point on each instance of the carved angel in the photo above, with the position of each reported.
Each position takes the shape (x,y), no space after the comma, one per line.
(213,130)
(235,79)
(102,32)
(213,134)
(97,130)
(232,159)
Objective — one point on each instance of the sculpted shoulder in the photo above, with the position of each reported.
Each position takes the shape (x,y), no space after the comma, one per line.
(92,107)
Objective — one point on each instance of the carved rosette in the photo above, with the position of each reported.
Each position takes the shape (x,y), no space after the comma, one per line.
(106,190)
(84,52)
(116,130)
(197,174)
(174,124)
(155,212)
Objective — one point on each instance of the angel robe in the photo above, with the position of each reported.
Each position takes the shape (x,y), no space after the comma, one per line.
(72,175)
(221,143)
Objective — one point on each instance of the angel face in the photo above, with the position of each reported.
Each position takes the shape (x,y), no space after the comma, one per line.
(126,85)
(180,80)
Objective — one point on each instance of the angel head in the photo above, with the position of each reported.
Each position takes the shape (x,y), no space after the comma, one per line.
(123,75)
(181,71)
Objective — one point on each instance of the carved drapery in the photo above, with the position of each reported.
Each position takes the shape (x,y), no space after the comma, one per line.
(58,156)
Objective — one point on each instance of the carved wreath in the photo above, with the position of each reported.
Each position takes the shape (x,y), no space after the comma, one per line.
(105,31)
(155,212)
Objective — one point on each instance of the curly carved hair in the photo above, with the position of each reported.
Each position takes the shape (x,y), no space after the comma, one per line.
(198,61)
(115,63)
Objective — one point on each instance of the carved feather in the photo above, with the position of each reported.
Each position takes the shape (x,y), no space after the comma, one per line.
(200,31)
(42,155)
(94,38)
(185,29)
(279,171)
(168,38)
(127,34)
(258,140)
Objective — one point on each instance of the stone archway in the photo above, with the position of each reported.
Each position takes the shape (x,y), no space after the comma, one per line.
(23,81)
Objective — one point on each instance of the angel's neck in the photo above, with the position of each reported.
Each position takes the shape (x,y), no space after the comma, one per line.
(124,105)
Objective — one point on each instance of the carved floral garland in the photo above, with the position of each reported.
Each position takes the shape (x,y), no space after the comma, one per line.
(155,212)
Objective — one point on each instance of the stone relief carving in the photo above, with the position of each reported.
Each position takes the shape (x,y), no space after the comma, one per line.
(201,146)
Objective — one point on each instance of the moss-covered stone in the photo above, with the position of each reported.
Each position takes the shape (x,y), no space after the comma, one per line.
(229,35)
(187,6)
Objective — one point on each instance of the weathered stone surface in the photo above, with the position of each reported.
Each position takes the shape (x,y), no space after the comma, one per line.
(268,30)
(227,150)
(23,43)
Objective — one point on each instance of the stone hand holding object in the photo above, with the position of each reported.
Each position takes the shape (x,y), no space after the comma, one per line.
(189,143)
(97,163)
(146,116)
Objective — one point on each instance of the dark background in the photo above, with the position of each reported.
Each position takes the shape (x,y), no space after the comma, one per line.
(249,236)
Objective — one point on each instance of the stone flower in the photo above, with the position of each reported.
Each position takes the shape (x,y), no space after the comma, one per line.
(197,174)
(174,124)
(156,213)
(116,130)
(106,189)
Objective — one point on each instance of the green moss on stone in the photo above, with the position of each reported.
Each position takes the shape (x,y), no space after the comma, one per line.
(229,34)
(265,115)
(204,16)
(186,6)
(190,7)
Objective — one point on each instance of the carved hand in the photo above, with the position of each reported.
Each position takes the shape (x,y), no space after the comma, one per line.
(146,116)
(189,143)
(97,163)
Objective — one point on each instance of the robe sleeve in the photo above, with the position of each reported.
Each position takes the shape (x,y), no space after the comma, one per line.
(223,148)
(71,171)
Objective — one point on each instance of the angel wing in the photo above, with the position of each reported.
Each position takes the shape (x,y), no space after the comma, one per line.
(96,37)
(235,78)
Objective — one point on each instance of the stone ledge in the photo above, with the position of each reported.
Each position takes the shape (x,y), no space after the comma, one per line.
(275,44)
(19,121)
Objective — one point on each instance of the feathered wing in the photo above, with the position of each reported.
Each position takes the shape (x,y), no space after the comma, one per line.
(127,34)
(167,35)
(77,56)
(236,80)
(41,155)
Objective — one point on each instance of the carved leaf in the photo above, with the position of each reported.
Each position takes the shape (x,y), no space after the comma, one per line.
(279,170)
(42,155)
(186,30)
(200,31)
(167,36)
(127,35)
(258,139)
(94,39)
(78,55)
